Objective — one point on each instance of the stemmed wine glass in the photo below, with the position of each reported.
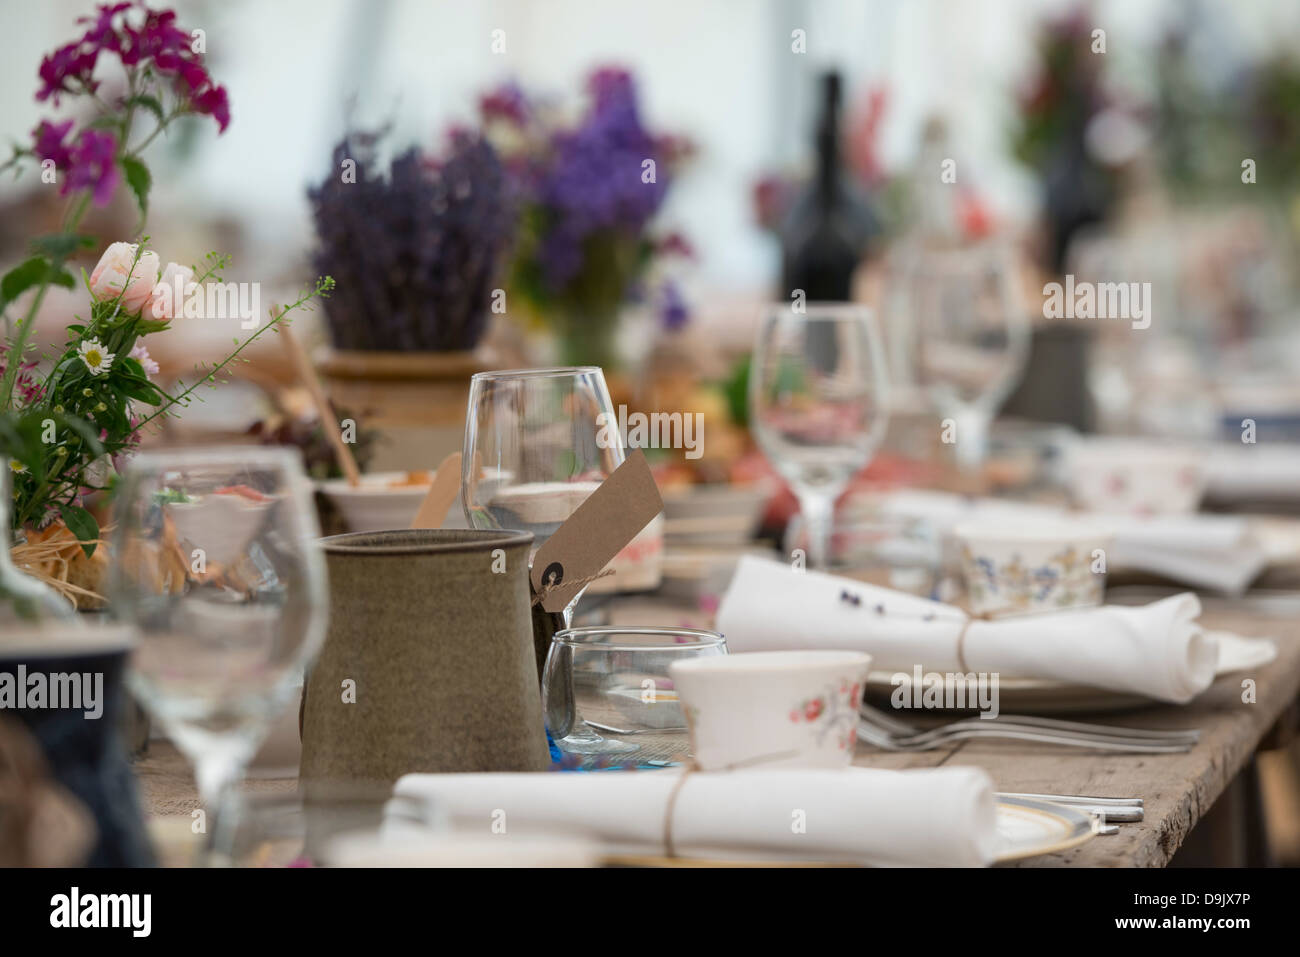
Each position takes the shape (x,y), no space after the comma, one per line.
(818,405)
(217,567)
(538,442)
(968,335)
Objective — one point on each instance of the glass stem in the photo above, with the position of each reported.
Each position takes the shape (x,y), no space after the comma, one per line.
(818,515)
(217,774)
(972,439)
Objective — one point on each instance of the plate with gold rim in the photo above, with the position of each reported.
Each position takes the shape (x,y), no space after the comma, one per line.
(1028,828)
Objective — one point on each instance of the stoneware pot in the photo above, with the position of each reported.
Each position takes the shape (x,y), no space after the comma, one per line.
(428,664)
(416,400)
(79,728)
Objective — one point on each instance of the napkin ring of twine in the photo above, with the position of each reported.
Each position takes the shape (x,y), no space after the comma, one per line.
(961,638)
(670,849)
(542,594)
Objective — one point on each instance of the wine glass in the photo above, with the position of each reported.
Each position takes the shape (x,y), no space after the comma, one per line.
(217,567)
(969,338)
(817,398)
(538,442)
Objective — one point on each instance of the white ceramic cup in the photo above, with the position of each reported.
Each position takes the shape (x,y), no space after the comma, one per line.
(1135,477)
(772,709)
(1047,566)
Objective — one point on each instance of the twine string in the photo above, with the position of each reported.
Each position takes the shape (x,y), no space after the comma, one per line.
(545,591)
(670,849)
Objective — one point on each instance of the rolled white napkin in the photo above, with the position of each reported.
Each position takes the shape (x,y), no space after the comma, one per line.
(1157,650)
(930,817)
(1238,471)
(1219,552)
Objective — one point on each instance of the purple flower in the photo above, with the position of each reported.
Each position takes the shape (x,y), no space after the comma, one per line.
(591,182)
(673,311)
(416,252)
(156,43)
(50,143)
(92,165)
(66,66)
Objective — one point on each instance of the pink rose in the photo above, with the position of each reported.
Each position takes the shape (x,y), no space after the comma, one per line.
(118,270)
(168,297)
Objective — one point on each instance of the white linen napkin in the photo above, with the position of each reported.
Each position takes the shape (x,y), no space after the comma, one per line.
(1238,471)
(1219,552)
(928,817)
(1156,650)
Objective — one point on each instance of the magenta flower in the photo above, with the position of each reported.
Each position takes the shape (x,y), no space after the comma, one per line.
(66,70)
(156,43)
(89,162)
(50,143)
(26,387)
(92,165)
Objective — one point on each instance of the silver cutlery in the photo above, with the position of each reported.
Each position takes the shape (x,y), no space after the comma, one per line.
(894,734)
(902,727)
(1112,811)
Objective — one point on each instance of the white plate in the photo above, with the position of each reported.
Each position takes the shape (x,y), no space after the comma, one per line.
(1027,828)
(1043,696)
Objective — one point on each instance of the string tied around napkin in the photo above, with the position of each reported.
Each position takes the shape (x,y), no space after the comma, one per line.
(961,638)
(670,849)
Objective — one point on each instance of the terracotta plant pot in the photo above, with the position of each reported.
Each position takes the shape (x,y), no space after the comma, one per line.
(416,399)
(431,629)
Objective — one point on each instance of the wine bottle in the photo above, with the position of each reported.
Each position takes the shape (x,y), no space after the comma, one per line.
(828,230)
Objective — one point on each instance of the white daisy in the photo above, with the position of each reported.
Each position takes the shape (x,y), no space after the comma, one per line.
(94,356)
(17,467)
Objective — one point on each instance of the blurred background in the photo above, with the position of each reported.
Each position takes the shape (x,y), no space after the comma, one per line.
(1010,120)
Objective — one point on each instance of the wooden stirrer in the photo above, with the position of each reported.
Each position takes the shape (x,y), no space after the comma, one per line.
(308,377)
(443,491)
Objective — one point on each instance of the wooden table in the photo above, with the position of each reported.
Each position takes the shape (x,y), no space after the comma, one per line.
(1179,789)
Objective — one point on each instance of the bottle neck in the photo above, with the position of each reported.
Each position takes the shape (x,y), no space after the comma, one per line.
(828,160)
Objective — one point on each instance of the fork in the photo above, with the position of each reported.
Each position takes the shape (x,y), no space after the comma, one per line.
(887,742)
(892,735)
(899,728)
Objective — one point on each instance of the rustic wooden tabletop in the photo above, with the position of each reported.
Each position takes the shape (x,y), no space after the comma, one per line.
(1178,789)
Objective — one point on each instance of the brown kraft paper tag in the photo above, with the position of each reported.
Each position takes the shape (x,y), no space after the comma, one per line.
(598,529)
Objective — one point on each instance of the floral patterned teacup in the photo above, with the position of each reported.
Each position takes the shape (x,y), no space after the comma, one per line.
(1049,567)
(788,709)
(1135,477)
